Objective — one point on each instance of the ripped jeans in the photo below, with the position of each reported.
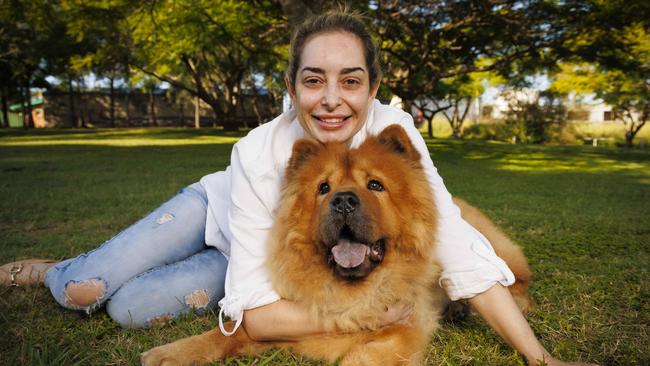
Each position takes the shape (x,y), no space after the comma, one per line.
(155,270)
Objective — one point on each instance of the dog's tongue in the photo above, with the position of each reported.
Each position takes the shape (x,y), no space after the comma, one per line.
(349,255)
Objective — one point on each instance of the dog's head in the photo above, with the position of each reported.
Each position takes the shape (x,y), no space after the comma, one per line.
(362,206)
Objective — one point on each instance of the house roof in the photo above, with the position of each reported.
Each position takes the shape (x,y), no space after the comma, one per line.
(19,106)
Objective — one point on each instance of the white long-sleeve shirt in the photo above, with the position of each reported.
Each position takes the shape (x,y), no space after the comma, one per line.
(242,201)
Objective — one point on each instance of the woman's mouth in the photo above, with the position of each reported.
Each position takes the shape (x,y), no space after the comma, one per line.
(331,122)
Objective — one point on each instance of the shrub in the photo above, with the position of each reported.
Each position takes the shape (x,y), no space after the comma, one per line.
(537,121)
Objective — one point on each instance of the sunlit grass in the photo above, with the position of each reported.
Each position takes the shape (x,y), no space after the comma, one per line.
(117,137)
(612,129)
(580,213)
(607,133)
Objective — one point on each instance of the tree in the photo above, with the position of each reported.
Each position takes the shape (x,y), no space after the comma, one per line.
(101,26)
(460,93)
(425,42)
(27,38)
(208,47)
(623,81)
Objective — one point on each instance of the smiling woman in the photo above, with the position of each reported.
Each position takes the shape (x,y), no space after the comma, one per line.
(332,90)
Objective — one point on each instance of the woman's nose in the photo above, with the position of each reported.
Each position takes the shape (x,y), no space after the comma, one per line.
(332,97)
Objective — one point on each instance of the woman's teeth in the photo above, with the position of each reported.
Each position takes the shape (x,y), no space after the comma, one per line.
(332,120)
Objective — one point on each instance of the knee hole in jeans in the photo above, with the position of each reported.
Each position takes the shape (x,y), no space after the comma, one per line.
(198,299)
(84,293)
(159,320)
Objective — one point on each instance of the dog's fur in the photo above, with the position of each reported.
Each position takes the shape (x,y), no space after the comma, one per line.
(355,232)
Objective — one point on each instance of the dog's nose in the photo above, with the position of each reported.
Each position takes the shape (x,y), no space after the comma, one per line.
(344,202)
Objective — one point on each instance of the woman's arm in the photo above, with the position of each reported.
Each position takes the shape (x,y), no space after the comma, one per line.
(500,311)
(286,320)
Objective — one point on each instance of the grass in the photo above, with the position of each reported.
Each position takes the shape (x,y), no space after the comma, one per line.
(581,213)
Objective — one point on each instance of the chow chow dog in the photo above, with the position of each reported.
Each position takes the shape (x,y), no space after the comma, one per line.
(355,232)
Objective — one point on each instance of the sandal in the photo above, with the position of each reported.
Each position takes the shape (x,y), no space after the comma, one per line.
(29,272)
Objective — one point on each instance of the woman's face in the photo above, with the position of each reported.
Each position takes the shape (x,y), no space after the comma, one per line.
(332,90)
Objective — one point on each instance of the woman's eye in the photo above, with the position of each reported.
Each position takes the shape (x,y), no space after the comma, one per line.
(312,81)
(324,188)
(375,185)
(351,82)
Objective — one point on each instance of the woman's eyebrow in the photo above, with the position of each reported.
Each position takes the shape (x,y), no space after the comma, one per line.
(349,70)
(318,70)
(315,70)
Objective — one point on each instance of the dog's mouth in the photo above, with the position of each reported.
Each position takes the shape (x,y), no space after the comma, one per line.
(353,258)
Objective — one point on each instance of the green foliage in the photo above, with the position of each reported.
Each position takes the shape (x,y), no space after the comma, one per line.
(101,25)
(424,43)
(617,72)
(460,92)
(219,50)
(209,48)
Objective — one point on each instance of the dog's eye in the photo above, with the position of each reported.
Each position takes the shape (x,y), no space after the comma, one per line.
(324,188)
(374,185)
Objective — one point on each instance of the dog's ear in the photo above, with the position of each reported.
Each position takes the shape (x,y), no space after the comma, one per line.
(303,150)
(395,138)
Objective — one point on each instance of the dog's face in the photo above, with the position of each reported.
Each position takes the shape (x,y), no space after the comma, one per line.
(359,203)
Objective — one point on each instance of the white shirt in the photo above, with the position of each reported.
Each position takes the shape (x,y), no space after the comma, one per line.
(242,201)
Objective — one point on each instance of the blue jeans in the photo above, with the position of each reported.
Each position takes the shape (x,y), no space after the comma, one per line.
(156,269)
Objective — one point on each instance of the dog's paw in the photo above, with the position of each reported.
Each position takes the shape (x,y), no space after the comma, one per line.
(159,356)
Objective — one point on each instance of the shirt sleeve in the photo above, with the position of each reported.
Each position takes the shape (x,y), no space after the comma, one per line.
(469,264)
(247,284)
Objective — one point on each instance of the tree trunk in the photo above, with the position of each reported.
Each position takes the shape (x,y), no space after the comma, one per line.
(21,92)
(71,109)
(112,101)
(81,119)
(28,96)
(127,101)
(457,130)
(182,112)
(629,139)
(5,107)
(127,96)
(152,104)
(197,112)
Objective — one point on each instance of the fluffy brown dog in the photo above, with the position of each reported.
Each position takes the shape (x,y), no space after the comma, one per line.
(355,232)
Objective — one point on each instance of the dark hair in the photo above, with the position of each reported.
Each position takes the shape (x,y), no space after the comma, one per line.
(333,21)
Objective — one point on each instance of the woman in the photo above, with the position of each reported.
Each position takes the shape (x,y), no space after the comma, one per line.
(210,238)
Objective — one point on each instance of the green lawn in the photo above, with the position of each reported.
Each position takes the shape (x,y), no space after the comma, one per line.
(582,215)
